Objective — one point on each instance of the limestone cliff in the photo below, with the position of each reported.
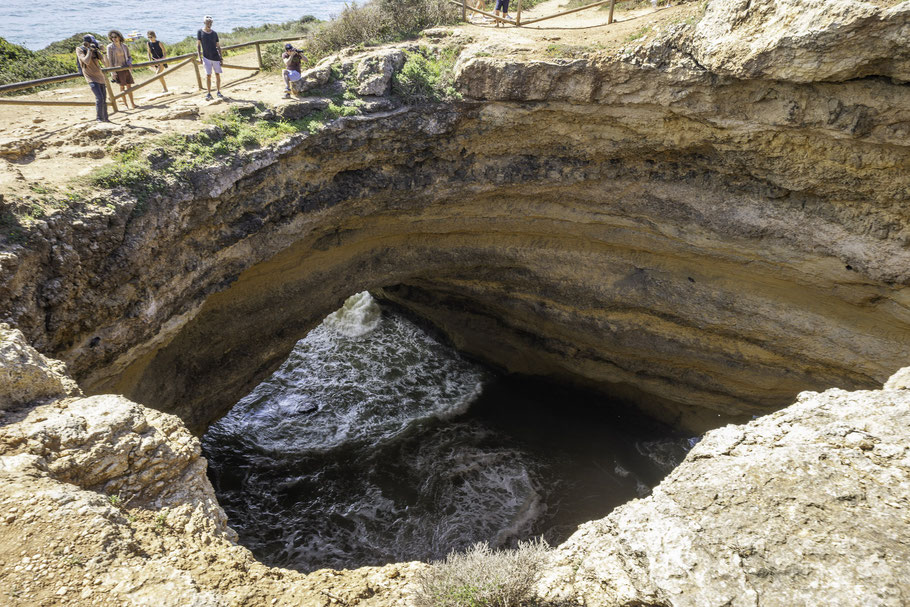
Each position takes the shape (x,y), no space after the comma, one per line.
(104,502)
(708,224)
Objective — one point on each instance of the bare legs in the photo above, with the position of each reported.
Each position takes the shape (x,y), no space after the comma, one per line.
(158,70)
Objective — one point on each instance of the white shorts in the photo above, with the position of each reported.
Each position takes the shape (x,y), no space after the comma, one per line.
(293,75)
(210,66)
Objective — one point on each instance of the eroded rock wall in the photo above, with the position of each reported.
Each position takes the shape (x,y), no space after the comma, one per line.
(686,224)
(104,502)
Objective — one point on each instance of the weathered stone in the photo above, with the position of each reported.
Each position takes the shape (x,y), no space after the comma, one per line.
(294,109)
(17,147)
(374,72)
(804,40)
(806,506)
(899,381)
(189,112)
(314,77)
(26,376)
(635,223)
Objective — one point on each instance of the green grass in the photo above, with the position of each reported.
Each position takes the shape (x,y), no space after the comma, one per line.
(427,75)
(174,159)
(17,64)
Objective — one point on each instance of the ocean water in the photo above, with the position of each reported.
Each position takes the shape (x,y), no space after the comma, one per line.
(375,443)
(37,24)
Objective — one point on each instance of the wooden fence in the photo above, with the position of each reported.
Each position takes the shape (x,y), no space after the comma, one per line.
(518,22)
(184,60)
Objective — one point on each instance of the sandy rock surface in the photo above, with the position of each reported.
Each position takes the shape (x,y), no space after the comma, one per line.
(807,506)
(104,502)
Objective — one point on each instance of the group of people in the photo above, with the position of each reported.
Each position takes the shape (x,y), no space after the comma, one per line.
(91,59)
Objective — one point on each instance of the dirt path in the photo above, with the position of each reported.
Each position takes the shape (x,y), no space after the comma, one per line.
(67,143)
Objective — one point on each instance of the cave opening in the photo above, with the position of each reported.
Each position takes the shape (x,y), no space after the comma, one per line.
(377,442)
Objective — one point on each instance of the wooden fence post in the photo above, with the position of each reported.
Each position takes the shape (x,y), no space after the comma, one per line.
(518,15)
(198,75)
(464,10)
(610,18)
(259,55)
(110,93)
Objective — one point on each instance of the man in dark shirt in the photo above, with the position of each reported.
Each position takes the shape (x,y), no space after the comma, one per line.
(291,73)
(209,50)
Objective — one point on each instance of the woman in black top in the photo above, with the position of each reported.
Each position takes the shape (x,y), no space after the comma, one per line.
(157,51)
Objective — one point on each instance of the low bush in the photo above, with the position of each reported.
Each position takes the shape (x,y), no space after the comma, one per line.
(427,75)
(176,158)
(377,22)
(17,64)
(483,577)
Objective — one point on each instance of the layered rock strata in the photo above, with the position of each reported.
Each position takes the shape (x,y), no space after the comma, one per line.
(104,502)
(687,224)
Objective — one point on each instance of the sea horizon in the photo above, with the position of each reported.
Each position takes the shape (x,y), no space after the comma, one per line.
(35,26)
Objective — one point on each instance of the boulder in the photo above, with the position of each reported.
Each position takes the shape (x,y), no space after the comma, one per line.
(374,72)
(899,381)
(26,376)
(806,506)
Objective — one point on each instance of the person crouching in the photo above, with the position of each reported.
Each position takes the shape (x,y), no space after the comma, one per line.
(291,71)
(91,60)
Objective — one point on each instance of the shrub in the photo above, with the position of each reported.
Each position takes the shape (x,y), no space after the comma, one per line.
(427,76)
(17,63)
(483,577)
(377,22)
(271,56)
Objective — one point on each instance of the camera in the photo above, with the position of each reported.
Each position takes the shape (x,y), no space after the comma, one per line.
(295,50)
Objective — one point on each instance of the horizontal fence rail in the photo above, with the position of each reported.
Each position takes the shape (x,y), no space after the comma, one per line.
(184,60)
(518,22)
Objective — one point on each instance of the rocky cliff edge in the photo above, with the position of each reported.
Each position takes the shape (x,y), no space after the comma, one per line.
(106,503)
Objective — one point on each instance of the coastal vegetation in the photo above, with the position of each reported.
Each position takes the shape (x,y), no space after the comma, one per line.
(484,577)
(372,23)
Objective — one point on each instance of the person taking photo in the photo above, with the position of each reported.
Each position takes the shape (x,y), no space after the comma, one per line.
(91,60)
(291,71)
(209,50)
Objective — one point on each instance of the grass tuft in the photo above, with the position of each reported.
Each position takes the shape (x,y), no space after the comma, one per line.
(427,75)
(483,577)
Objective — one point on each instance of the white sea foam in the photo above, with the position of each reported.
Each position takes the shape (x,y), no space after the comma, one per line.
(358,316)
(353,453)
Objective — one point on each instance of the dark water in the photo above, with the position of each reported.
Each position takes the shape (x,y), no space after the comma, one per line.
(376,443)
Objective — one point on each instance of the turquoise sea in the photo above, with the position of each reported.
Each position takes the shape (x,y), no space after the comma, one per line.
(37,24)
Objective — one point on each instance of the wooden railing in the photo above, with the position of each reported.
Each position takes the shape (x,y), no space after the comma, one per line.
(184,60)
(518,22)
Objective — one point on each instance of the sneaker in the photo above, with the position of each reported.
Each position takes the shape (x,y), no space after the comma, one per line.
(287,94)
(220,95)
(208,97)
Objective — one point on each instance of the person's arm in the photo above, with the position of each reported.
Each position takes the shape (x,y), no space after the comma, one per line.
(199,43)
(110,54)
(148,49)
(82,54)
(218,46)
(163,49)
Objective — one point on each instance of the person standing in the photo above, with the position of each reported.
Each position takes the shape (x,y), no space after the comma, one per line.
(504,6)
(291,71)
(156,50)
(118,55)
(91,60)
(209,50)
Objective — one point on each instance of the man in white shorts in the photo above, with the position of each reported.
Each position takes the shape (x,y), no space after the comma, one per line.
(291,71)
(209,50)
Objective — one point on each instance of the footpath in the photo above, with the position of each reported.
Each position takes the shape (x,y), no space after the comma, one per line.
(44,148)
